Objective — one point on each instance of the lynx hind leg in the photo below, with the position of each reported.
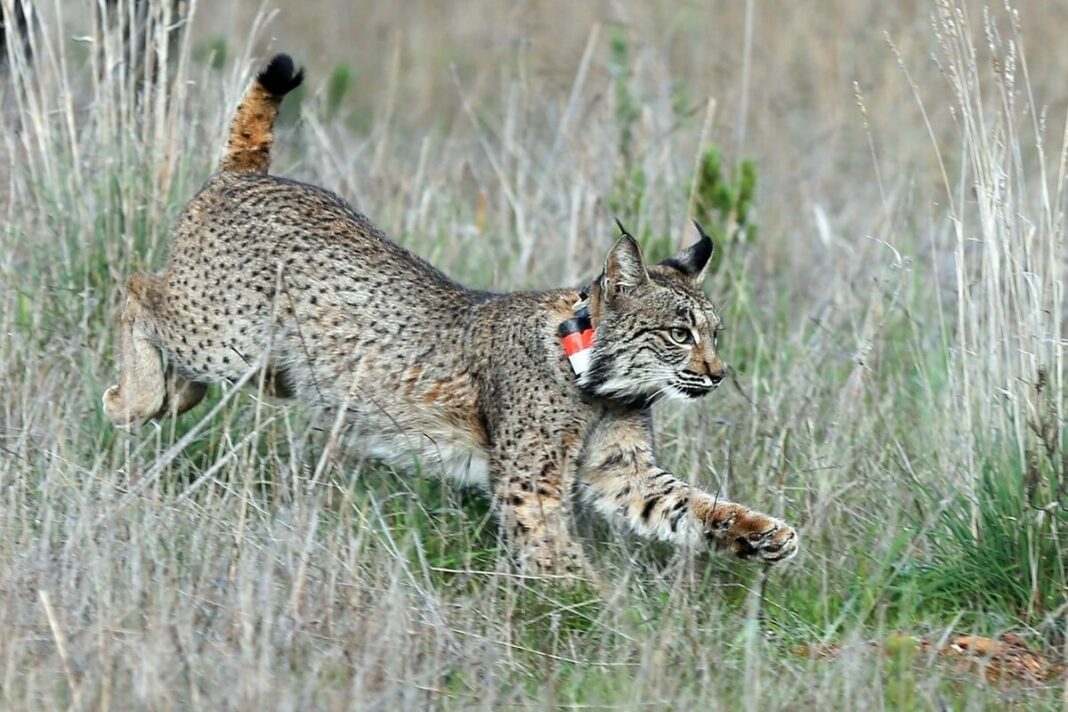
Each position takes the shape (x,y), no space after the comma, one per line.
(141,389)
(182,394)
(145,390)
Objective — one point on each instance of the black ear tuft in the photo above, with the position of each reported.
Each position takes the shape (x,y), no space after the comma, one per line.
(280,77)
(694,260)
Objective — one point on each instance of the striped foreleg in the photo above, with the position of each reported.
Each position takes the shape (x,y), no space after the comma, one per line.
(621,479)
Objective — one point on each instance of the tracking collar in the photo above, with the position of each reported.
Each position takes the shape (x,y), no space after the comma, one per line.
(576,334)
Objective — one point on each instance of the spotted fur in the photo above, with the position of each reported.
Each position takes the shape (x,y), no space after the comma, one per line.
(271,274)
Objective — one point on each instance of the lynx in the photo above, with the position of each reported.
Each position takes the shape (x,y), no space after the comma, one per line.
(277,275)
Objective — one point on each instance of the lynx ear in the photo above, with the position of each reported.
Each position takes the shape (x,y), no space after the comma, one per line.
(694,260)
(624,269)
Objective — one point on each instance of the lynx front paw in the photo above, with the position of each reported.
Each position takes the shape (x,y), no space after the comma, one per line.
(775,541)
(751,535)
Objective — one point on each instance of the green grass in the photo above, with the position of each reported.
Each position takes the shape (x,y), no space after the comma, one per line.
(1008,561)
(888,365)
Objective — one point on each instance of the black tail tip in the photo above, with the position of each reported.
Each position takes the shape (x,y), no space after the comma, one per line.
(280,76)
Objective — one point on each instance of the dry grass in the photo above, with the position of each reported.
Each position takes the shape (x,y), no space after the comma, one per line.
(897,328)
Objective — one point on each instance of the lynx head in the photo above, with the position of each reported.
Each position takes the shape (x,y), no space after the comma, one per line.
(655,329)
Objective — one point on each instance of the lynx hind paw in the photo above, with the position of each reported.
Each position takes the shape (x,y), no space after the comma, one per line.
(126,415)
(752,535)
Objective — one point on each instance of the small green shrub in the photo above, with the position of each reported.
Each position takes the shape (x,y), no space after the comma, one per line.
(336,88)
(722,203)
(213,52)
(724,206)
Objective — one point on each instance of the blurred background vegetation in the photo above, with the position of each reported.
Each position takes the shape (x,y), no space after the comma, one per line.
(885,182)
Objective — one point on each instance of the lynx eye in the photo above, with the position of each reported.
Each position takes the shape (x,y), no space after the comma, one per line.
(680,335)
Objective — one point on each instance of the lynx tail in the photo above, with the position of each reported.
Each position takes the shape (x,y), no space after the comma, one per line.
(249,149)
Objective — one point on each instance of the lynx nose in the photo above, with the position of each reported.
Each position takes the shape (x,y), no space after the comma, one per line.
(717,371)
